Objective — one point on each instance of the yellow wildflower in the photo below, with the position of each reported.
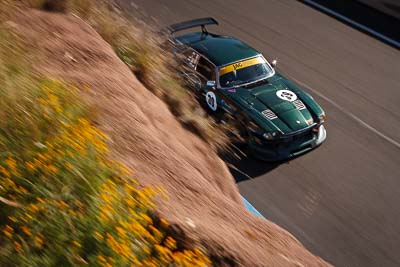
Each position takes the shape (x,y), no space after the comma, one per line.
(41,157)
(53,101)
(58,109)
(12,164)
(8,182)
(98,236)
(68,166)
(26,230)
(146,250)
(49,145)
(18,247)
(39,241)
(63,205)
(170,243)
(103,217)
(33,208)
(30,166)
(13,219)
(110,259)
(164,253)
(106,197)
(146,218)
(51,168)
(164,222)
(42,101)
(121,231)
(101,258)
(5,172)
(76,243)
(72,212)
(157,234)
(22,190)
(68,114)
(124,169)
(125,251)
(8,231)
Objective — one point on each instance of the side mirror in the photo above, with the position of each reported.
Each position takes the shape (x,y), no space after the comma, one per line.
(211,84)
(274,63)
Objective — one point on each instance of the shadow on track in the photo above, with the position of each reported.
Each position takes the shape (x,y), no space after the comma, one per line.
(244,166)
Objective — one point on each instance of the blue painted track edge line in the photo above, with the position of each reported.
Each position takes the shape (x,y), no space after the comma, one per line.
(251,208)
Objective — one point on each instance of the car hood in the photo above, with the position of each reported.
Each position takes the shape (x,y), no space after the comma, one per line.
(277,105)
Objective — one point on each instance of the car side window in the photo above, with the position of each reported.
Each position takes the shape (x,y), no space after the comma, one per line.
(205,69)
(191,58)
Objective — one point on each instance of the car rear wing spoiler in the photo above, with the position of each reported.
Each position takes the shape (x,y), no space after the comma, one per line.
(192,24)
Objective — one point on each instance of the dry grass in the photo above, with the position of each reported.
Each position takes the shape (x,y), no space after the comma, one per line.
(147,57)
(156,68)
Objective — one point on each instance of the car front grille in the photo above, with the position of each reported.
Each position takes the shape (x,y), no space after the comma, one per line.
(269,114)
(304,135)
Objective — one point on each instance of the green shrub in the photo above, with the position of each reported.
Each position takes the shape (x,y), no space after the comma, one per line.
(63,201)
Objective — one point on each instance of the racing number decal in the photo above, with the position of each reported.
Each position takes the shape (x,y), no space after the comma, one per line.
(211,100)
(286,95)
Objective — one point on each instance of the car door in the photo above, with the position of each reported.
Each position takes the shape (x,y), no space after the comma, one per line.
(197,71)
(207,72)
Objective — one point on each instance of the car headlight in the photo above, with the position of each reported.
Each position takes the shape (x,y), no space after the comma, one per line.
(270,135)
(260,133)
(322,118)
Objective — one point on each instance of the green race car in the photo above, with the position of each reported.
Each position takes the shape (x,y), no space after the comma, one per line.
(236,82)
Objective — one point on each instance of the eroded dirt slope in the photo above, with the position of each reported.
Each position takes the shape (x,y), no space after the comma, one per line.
(203,197)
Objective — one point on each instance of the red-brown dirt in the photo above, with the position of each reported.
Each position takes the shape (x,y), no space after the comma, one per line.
(203,199)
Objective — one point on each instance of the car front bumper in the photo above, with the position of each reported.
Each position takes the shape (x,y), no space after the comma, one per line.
(287,147)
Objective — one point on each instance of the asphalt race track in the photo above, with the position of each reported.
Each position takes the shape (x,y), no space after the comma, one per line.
(342,200)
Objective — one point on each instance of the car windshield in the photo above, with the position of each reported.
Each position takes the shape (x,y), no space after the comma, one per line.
(244,72)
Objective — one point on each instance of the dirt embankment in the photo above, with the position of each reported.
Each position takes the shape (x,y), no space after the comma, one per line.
(203,198)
